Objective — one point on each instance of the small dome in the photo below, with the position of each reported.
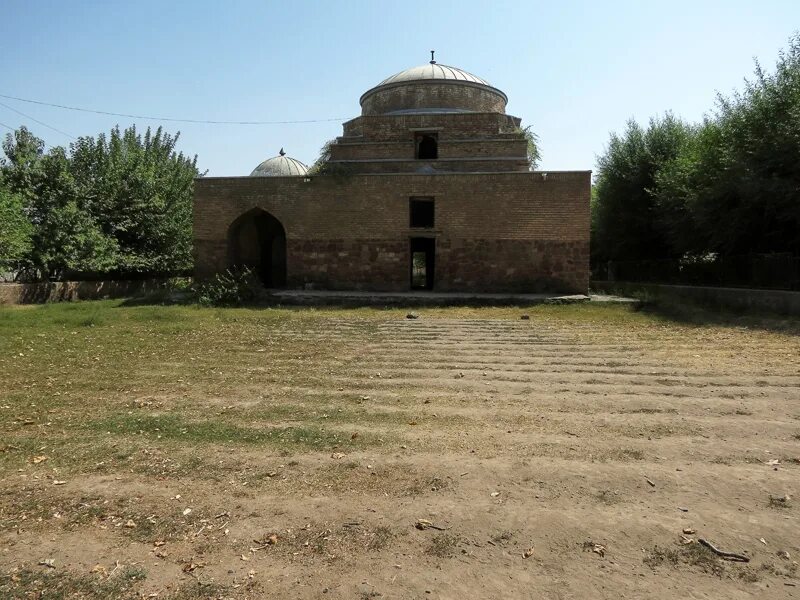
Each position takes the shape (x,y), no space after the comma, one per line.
(280,166)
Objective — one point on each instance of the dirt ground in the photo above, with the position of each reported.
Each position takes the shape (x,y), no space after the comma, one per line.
(178,452)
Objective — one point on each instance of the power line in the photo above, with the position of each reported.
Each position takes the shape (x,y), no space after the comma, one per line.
(202,121)
(15,129)
(19,112)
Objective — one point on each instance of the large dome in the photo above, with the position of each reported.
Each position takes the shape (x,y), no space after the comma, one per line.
(280,166)
(432,88)
(433,71)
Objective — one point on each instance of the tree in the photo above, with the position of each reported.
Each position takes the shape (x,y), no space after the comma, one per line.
(119,205)
(746,178)
(727,187)
(66,237)
(629,222)
(15,230)
(534,152)
(140,191)
(20,168)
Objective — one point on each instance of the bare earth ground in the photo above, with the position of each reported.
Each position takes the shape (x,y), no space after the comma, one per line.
(178,452)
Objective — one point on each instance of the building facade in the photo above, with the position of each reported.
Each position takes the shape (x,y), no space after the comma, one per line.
(429,188)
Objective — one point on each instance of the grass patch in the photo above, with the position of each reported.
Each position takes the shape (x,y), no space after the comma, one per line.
(658,556)
(67,585)
(381,536)
(693,555)
(443,545)
(172,427)
(63,585)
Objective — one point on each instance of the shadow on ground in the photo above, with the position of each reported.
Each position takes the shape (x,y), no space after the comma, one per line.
(688,313)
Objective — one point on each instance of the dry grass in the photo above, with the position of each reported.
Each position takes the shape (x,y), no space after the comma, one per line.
(335,430)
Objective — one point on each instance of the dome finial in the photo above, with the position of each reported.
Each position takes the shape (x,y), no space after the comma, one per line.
(433,62)
(282,153)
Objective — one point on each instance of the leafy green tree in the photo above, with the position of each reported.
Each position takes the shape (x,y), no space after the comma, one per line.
(66,238)
(116,205)
(741,179)
(627,217)
(21,167)
(140,191)
(727,187)
(15,230)
(534,150)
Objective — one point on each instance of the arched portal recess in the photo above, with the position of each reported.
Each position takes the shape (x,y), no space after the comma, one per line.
(257,240)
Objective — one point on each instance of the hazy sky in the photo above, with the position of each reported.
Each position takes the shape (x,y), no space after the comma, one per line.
(575,71)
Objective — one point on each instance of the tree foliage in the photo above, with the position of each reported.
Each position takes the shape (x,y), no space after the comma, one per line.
(15,229)
(534,150)
(626,206)
(112,205)
(727,186)
(322,164)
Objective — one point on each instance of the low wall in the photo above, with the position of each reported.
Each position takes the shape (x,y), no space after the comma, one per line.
(778,301)
(66,291)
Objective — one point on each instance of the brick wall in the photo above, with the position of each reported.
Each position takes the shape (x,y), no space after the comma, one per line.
(474,142)
(453,125)
(462,165)
(68,291)
(432,94)
(447,149)
(495,231)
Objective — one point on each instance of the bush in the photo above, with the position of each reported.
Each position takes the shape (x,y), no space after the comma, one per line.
(231,288)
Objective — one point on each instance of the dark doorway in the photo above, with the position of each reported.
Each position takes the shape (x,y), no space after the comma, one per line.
(257,240)
(427,145)
(423,262)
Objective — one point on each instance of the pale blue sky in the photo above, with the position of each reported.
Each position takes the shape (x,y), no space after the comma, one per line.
(575,71)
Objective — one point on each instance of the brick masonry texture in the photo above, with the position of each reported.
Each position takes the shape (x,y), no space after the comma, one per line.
(432,94)
(60,291)
(467,126)
(498,227)
(473,142)
(448,149)
(503,232)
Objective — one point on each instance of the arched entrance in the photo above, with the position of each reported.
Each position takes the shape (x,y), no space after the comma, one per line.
(258,240)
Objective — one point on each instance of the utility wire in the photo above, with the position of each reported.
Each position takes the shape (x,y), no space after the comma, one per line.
(114,114)
(19,112)
(14,129)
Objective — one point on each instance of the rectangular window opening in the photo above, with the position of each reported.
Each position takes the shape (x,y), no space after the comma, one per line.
(421,211)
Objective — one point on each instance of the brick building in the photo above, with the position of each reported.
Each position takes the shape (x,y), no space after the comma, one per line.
(428,189)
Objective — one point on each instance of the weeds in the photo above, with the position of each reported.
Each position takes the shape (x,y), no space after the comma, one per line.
(779,502)
(381,536)
(693,554)
(26,583)
(233,287)
(443,545)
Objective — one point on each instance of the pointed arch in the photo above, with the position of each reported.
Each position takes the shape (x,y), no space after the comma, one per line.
(257,240)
